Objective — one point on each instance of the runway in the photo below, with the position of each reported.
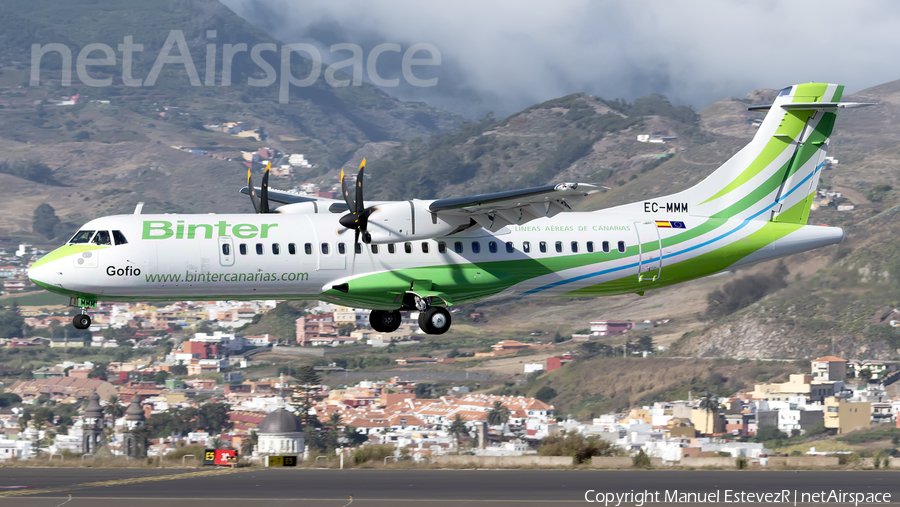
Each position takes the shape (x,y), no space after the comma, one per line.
(51,487)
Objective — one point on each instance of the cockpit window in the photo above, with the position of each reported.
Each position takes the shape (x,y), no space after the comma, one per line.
(102,238)
(120,238)
(785,91)
(81,237)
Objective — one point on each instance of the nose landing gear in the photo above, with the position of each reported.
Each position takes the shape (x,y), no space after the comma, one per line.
(82,320)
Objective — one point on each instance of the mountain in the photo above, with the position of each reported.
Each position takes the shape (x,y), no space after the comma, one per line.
(119,139)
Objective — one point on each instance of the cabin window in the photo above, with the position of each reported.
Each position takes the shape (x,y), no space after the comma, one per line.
(342,249)
(458,247)
(243,248)
(407,247)
(308,248)
(276,249)
(442,247)
(324,248)
(621,246)
(226,249)
(292,249)
(509,247)
(81,237)
(259,249)
(492,246)
(605,247)
(120,238)
(590,246)
(391,248)
(574,247)
(424,247)
(543,247)
(102,238)
(357,248)
(559,246)
(476,247)
(374,249)
(526,246)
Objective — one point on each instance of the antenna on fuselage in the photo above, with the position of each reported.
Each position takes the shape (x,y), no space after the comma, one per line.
(138,208)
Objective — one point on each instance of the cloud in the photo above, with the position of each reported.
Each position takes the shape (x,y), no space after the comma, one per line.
(507,55)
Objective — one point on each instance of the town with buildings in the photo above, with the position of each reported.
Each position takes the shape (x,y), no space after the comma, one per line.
(202,390)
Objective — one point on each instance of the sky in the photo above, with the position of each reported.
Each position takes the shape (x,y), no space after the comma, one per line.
(504,56)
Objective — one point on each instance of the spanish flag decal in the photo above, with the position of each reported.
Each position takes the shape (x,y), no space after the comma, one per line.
(665,224)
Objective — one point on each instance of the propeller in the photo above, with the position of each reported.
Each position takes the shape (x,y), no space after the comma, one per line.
(358,218)
(261,201)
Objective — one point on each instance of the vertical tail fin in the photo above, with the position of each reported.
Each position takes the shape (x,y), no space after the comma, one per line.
(775,176)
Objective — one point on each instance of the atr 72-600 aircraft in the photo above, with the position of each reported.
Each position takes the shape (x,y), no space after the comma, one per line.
(430,255)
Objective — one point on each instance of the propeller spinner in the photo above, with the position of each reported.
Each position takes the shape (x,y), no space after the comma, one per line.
(358,218)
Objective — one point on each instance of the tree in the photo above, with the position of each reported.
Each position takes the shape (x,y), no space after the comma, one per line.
(865,375)
(545,394)
(710,404)
(345,328)
(160,377)
(113,409)
(307,376)
(9,399)
(498,414)
(99,371)
(249,443)
(458,428)
(178,369)
(645,343)
(45,222)
(213,417)
(11,323)
(574,444)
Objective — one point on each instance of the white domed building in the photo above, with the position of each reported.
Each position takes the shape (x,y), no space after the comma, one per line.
(280,434)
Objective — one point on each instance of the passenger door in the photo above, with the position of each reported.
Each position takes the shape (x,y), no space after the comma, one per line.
(650,258)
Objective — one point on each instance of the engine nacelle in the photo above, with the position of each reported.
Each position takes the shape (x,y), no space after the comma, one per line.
(399,221)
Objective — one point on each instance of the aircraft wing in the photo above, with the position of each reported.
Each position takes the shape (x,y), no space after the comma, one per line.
(514,207)
(285,197)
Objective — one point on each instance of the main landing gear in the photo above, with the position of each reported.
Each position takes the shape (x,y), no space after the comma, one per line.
(432,319)
(385,321)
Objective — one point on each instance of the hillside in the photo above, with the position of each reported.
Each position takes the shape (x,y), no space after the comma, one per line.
(104,155)
(101,150)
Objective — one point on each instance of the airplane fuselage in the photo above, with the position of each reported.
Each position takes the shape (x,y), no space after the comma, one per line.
(305,256)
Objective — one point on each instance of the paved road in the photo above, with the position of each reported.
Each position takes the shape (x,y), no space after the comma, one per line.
(50,487)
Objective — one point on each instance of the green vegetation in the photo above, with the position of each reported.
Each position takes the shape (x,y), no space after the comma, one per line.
(865,436)
(744,291)
(29,170)
(655,104)
(210,417)
(578,446)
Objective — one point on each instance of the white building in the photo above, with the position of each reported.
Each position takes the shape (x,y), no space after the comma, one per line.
(279,435)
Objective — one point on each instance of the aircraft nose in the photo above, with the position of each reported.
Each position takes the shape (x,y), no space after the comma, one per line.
(40,275)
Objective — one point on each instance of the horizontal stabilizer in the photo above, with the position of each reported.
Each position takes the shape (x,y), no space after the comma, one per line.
(814,106)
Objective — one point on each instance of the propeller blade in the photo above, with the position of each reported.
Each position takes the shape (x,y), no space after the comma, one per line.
(359,187)
(264,191)
(348,198)
(253,197)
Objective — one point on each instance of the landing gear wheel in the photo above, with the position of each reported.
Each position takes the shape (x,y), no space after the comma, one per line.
(81,321)
(435,320)
(384,321)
